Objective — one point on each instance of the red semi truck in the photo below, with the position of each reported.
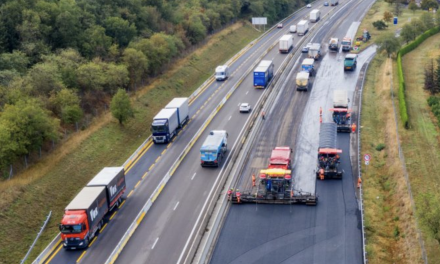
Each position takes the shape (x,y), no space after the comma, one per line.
(85,213)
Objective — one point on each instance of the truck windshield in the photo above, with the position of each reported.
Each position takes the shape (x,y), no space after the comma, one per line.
(219,73)
(159,129)
(346,43)
(70,229)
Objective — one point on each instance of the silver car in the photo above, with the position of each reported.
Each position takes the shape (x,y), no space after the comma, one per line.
(245,107)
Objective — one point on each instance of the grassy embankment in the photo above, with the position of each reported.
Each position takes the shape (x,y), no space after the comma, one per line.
(376,13)
(50,185)
(390,223)
(421,143)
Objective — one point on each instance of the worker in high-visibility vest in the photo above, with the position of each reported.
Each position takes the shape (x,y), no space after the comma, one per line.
(253,180)
(230,193)
(321,174)
(238,195)
(359,182)
(353,128)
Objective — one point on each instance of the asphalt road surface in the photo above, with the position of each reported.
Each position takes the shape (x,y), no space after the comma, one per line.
(149,169)
(331,231)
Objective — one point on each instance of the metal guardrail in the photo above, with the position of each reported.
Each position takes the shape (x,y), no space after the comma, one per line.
(38,236)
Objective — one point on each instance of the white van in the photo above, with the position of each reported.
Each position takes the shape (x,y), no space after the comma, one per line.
(221,72)
(292,29)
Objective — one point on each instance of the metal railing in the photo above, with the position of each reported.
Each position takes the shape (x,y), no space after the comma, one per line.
(38,236)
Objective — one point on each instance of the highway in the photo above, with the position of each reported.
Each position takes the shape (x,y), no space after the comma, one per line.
(329,232)
(163,235)
(150,167)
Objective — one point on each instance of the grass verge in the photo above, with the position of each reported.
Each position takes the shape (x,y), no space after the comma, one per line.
(421,143)
(51,184)
(390,225)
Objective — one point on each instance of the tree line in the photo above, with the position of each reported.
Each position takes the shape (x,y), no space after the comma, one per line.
(62,59)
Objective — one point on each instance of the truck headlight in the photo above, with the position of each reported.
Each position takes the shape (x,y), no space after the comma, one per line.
(82,243)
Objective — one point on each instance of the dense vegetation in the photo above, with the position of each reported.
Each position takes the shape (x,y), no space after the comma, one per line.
(62,60)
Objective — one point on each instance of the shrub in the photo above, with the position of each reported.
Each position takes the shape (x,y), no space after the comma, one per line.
(380,147)
(380,25)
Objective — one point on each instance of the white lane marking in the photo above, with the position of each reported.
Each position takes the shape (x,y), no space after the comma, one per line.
(155,242)
(247,92)
(176,206)
(229,118)
(193,176)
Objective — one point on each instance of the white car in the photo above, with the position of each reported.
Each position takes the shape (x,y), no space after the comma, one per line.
(309,6)
(280,25)
(245,107)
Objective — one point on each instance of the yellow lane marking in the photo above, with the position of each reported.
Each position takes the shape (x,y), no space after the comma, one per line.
(137,184)
(120,206)
(132,163)
(93,241)
(141,217)
(102,229)
(82,255)
(163,152)
(158,158)
(157,194)
(113,215)
(130,193)
(54,254)
(145,174)
(152,165)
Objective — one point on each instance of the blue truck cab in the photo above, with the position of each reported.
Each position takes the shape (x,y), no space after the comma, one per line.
(214,148)
(263,73)
(308,65)
(164,126)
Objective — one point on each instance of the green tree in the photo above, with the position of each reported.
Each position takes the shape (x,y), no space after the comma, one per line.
(120,30)
(16,60)
(137,65)
(96,43)
(388,43)
(121,107)
(428,20)
(30,125)
(413,6)
(91,77)
(195,30)
(71,114)
(418,26)
(7,76)
(63,98)
(44,78)
(427,4)
(67,61)
(408,33)
(380,25)
(116,76)
(430,79)
(8,146)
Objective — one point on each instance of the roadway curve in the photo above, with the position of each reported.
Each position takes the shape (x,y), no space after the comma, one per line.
(331,231)
(149,169)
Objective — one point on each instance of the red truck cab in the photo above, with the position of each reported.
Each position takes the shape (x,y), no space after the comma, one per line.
(280,158)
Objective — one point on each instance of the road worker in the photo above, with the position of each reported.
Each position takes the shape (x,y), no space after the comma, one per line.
(321,174)
(230,193)
(238,195)
(263,115)
(253,180)
(353,128)
(359,182)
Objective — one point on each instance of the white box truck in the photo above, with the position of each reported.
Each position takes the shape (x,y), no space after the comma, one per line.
(222,72)
(286,43)
(315,51)
(292,29)
(164,126)
(302,27)
(315,15)
(182,106)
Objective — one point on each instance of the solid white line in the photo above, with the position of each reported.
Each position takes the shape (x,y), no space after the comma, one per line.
(176,206)
(155,242)
(247,92)
(229,118)
(193,176)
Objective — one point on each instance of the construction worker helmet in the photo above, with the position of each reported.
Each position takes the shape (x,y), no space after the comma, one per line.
(238,190)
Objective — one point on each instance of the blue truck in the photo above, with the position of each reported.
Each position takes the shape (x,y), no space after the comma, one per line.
(263,73)
(308,65)
(214,148)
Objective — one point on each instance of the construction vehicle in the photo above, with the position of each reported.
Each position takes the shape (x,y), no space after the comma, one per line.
(328,154)
(315,51)
(214,148)
(263,73)
(365,36)
(333,44)
(84,215)
(341,113)
(275,183)
(286,43)
(302,81)
(346,44)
